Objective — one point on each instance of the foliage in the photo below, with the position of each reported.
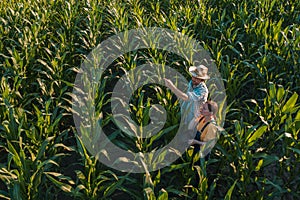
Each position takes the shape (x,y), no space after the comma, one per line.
(255,45)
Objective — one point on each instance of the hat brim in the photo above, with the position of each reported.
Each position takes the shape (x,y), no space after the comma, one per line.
(192,69)
(192,72)
(202,77)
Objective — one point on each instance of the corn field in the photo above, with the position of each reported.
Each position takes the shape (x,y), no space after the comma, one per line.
(255,46)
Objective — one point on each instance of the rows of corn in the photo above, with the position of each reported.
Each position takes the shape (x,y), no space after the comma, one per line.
(255,45)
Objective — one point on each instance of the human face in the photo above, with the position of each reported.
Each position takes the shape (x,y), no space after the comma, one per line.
(204,110)
(196,81)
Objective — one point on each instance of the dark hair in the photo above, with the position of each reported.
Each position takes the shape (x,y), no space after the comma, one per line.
(212,107)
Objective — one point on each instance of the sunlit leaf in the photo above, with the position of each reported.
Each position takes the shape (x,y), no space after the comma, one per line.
(229,192)
(257,134)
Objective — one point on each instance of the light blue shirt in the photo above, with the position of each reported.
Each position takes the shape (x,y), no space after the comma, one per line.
(197,96)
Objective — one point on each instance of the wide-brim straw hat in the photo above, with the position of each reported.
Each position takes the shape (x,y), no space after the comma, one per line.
(199,72)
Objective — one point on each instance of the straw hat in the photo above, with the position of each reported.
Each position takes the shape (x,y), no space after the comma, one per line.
(199,72)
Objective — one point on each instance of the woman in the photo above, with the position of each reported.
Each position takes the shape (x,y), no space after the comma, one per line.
(207,130)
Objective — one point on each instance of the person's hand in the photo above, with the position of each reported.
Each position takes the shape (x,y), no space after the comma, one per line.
(181,95)
(168,83)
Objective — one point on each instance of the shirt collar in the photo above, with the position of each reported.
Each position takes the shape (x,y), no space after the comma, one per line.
(196,86)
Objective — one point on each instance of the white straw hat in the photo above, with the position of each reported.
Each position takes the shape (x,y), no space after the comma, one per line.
(199,72)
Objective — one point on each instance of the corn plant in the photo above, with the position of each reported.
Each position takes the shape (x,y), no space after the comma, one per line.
(255,45)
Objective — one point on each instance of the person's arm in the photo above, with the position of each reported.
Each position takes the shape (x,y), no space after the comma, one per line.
(175,90)
(193,141)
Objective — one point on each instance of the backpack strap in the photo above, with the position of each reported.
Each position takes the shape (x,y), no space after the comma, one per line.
(201,118)
(205,125)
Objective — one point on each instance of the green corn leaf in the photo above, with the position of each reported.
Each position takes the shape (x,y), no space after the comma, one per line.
(7,176)
(272,91)
(63,186)
(229,192)
(42,149)
(290,103)
(163,194)
(269,159)
(157,179)
(280,93)
(15,154)
(256,135)
(61,177)
(278,187)
(259,165)
(17,192)
(113,187)
(173,190)
(212,189)
(82,150)
(295,150)
(46,163)
(13,126)
(265,161)
(4,195)
(80,175)
(297,118)
(149,194)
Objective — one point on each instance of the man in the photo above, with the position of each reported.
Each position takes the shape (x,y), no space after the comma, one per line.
(196,95)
